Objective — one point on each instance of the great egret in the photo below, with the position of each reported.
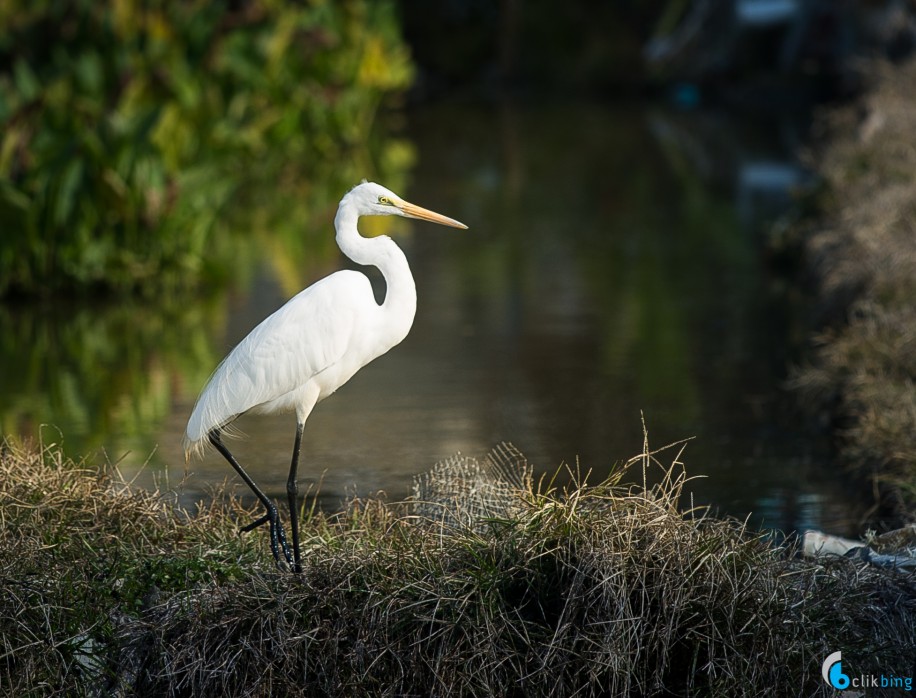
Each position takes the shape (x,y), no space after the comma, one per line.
(313,345)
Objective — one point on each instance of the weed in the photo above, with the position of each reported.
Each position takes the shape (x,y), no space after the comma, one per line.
(594,590)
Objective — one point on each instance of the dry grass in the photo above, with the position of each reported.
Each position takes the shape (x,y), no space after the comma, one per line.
(79,552)
(863,251)
(603,590)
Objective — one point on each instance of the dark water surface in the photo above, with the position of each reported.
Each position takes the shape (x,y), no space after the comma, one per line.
(616,265)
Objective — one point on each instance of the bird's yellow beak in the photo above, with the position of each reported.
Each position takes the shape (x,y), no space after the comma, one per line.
(412,211)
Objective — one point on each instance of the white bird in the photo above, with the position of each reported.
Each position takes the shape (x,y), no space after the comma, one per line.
(313,345)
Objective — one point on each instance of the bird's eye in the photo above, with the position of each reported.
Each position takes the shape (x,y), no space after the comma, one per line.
(384,200)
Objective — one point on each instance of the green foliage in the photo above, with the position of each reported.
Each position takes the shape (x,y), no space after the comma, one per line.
(131,133)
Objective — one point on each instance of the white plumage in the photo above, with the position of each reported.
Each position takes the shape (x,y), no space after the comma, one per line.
(309,346)
(316,342)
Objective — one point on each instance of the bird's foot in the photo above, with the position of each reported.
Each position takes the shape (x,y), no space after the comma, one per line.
(277,536)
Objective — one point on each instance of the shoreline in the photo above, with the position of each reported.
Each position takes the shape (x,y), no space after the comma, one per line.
(595,590)
(860,249)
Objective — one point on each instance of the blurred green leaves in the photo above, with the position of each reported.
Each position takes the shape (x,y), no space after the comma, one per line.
(131,134)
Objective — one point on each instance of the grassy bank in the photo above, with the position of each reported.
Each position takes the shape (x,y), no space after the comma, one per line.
(604,590)
(863,254)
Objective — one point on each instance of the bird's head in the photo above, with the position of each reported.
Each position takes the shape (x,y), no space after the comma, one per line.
(371,199)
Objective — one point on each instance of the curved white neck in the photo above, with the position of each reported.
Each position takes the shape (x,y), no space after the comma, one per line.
(400,302)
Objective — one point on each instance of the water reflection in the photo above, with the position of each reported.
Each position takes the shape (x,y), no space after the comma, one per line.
(610,268)
(101,376)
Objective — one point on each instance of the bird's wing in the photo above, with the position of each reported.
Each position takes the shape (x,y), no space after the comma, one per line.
(305,337)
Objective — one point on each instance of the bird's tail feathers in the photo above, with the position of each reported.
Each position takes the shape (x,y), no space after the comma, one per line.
(196,448)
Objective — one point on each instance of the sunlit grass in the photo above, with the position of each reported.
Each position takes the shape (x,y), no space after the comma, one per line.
(593,590)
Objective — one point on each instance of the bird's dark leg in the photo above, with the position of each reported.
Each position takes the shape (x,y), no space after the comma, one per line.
(292,490)
(277,537)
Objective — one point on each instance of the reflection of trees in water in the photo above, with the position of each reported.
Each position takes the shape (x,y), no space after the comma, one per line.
(104,374)
(587,218)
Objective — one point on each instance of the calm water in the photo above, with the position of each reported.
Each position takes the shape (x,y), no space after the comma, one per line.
(616,264)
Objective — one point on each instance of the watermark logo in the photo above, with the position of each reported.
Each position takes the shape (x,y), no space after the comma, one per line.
(832,671)
(835,677)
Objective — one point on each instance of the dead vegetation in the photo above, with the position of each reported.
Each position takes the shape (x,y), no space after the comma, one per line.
(596,590)
(863,251)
